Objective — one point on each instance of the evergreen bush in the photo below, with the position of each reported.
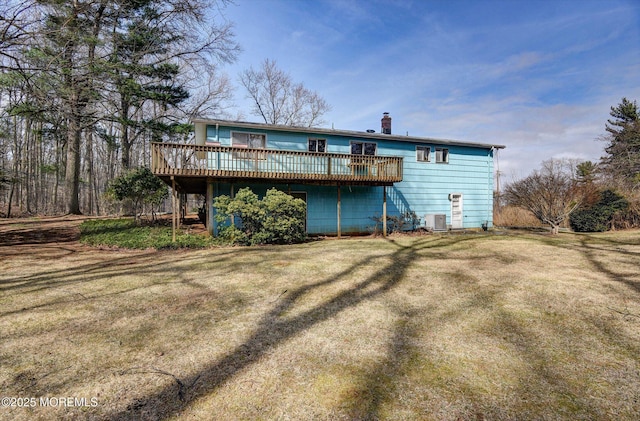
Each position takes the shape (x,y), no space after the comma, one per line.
(140,186)
(276,219)
(597,218)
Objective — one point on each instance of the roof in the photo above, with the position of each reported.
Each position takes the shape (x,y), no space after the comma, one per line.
(345,133)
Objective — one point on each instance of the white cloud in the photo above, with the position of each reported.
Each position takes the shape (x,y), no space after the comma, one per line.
(539,78)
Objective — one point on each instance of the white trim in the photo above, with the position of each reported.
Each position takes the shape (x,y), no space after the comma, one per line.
(426,149)
(444,155)
(316,138)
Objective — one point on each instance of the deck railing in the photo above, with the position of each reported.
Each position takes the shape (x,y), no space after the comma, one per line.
(233,162)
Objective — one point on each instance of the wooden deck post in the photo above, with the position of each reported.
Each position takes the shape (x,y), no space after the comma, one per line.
(209,205)
(181,214)
(338,210)
(232,219)
(173,209)
(384,211)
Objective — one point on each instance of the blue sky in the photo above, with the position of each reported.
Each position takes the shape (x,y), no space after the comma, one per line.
(538,76)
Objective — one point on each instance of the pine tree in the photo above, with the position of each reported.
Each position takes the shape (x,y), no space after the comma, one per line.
(143,72)
(63,60)
(622,162)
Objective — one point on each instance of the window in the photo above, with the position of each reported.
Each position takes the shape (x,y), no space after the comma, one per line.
(249,141)
(423,153)
(442,155)
(363,148)
(317,145)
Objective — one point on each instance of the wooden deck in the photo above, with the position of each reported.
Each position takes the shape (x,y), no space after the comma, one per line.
(232,163)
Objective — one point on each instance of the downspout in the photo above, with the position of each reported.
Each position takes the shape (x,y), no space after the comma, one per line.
(490,195)
(384,211)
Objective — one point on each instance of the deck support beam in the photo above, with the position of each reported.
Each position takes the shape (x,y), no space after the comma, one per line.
(338,210)
(209,206)
(384,211)
(173,209)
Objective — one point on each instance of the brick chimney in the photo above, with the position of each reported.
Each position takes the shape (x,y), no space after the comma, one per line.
(386,123)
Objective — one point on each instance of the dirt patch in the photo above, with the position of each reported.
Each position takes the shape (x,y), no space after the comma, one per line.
(65,229)
(48,237)
(40,231)
(54,236)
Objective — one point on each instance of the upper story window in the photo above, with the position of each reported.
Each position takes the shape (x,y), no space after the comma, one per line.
(423,153)
(317,145)
(442,155)
(248,140)
(363,148)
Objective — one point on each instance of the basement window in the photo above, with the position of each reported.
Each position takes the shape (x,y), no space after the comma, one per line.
(442,155)
(317,145)
(423,153)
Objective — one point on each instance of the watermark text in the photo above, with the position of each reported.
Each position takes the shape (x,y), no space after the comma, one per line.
(48,401)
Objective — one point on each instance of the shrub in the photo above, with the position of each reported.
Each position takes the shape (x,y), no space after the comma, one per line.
(629,217)
(598,217)
(284,219)
(140,186)
(276,219)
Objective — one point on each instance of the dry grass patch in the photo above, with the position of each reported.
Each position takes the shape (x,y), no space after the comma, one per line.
(442,327)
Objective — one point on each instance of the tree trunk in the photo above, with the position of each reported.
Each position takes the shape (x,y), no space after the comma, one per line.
(27,164)
(56,187)
(124,135)
(16,163)
(72,174)
(89,169)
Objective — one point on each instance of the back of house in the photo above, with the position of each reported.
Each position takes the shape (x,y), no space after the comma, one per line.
(348,179)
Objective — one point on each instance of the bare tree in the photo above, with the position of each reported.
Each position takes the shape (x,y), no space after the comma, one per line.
(278,100)
(550,193)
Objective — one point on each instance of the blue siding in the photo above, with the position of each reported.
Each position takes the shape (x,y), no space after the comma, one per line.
(425,188)
(426,185)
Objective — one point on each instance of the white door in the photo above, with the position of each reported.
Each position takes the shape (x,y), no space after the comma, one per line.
(456,210)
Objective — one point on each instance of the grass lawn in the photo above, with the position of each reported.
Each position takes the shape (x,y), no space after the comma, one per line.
(435,327)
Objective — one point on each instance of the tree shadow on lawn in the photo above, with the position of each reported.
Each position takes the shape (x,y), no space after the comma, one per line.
(538,388)
(594,253)
(146,266)
(595,250)
(379,384)
(536,380)
(274,329)
(619,265)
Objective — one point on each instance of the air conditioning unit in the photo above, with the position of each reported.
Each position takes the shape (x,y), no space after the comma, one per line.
(435,221)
